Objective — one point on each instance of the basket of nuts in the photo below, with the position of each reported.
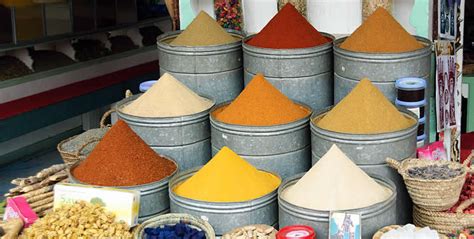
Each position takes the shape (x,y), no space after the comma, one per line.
(260,231)
(78,220)
(432,185)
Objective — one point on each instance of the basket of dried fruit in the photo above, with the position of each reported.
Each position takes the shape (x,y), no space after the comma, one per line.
(432,185)
(260,231)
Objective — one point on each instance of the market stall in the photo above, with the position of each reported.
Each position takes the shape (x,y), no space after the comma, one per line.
(286,133)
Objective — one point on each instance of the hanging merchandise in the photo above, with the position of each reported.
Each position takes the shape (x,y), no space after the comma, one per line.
(370,6)
(83,16)
(58,18)
(300,5)
(229,14)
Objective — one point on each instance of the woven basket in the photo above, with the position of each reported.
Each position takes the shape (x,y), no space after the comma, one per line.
(174,218)
(445,222)
(386,229)
(71,157)
(432,194)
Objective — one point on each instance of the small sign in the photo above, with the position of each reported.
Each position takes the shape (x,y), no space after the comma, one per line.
(344,226)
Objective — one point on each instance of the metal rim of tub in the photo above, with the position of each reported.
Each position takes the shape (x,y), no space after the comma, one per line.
(249,130)
(289,53)
(160,184)
(383,57)
(217,207)
(317,215)
(163,45)
(361,138)
(168,121)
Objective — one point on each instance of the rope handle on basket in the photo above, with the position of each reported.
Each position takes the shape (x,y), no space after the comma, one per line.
(90,141)
(395,164)
(467,161)
(464,205)
(104,117)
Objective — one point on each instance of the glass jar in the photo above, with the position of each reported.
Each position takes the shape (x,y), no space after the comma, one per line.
(126,11)
(105,13)
(6,32)
(83,15)
(29,22)
(58,18)
(369,6)
(229,14)
(300,5)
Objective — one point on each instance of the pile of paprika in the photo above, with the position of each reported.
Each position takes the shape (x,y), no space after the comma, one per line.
(288,30)
(122,158)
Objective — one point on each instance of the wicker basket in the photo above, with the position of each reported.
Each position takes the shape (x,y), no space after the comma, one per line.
(445,222)
(174,218)
(432,194)
(386,229)
(71,157)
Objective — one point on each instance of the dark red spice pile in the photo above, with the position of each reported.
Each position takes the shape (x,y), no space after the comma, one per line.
(122,158)
(287,30)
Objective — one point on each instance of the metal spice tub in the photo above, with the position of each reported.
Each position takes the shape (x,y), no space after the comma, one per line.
(154,198)
(283,149)
(304,75)
(208,70)
(369,152)
(372,218)
(381,68)
(186,139)
(224,217)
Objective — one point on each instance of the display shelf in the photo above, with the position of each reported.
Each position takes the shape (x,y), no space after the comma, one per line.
(52,39)
(35,83)
(35,112)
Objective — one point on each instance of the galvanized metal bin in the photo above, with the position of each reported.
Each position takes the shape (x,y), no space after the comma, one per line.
(225,216)
(304,75)
(209,70)
(154,198)
(372,218)
(382,69)
(283,149)
(369,153)
(186,138)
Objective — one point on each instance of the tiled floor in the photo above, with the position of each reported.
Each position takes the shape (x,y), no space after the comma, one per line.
(26,167)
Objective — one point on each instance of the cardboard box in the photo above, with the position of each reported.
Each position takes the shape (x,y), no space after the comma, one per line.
(125,204)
